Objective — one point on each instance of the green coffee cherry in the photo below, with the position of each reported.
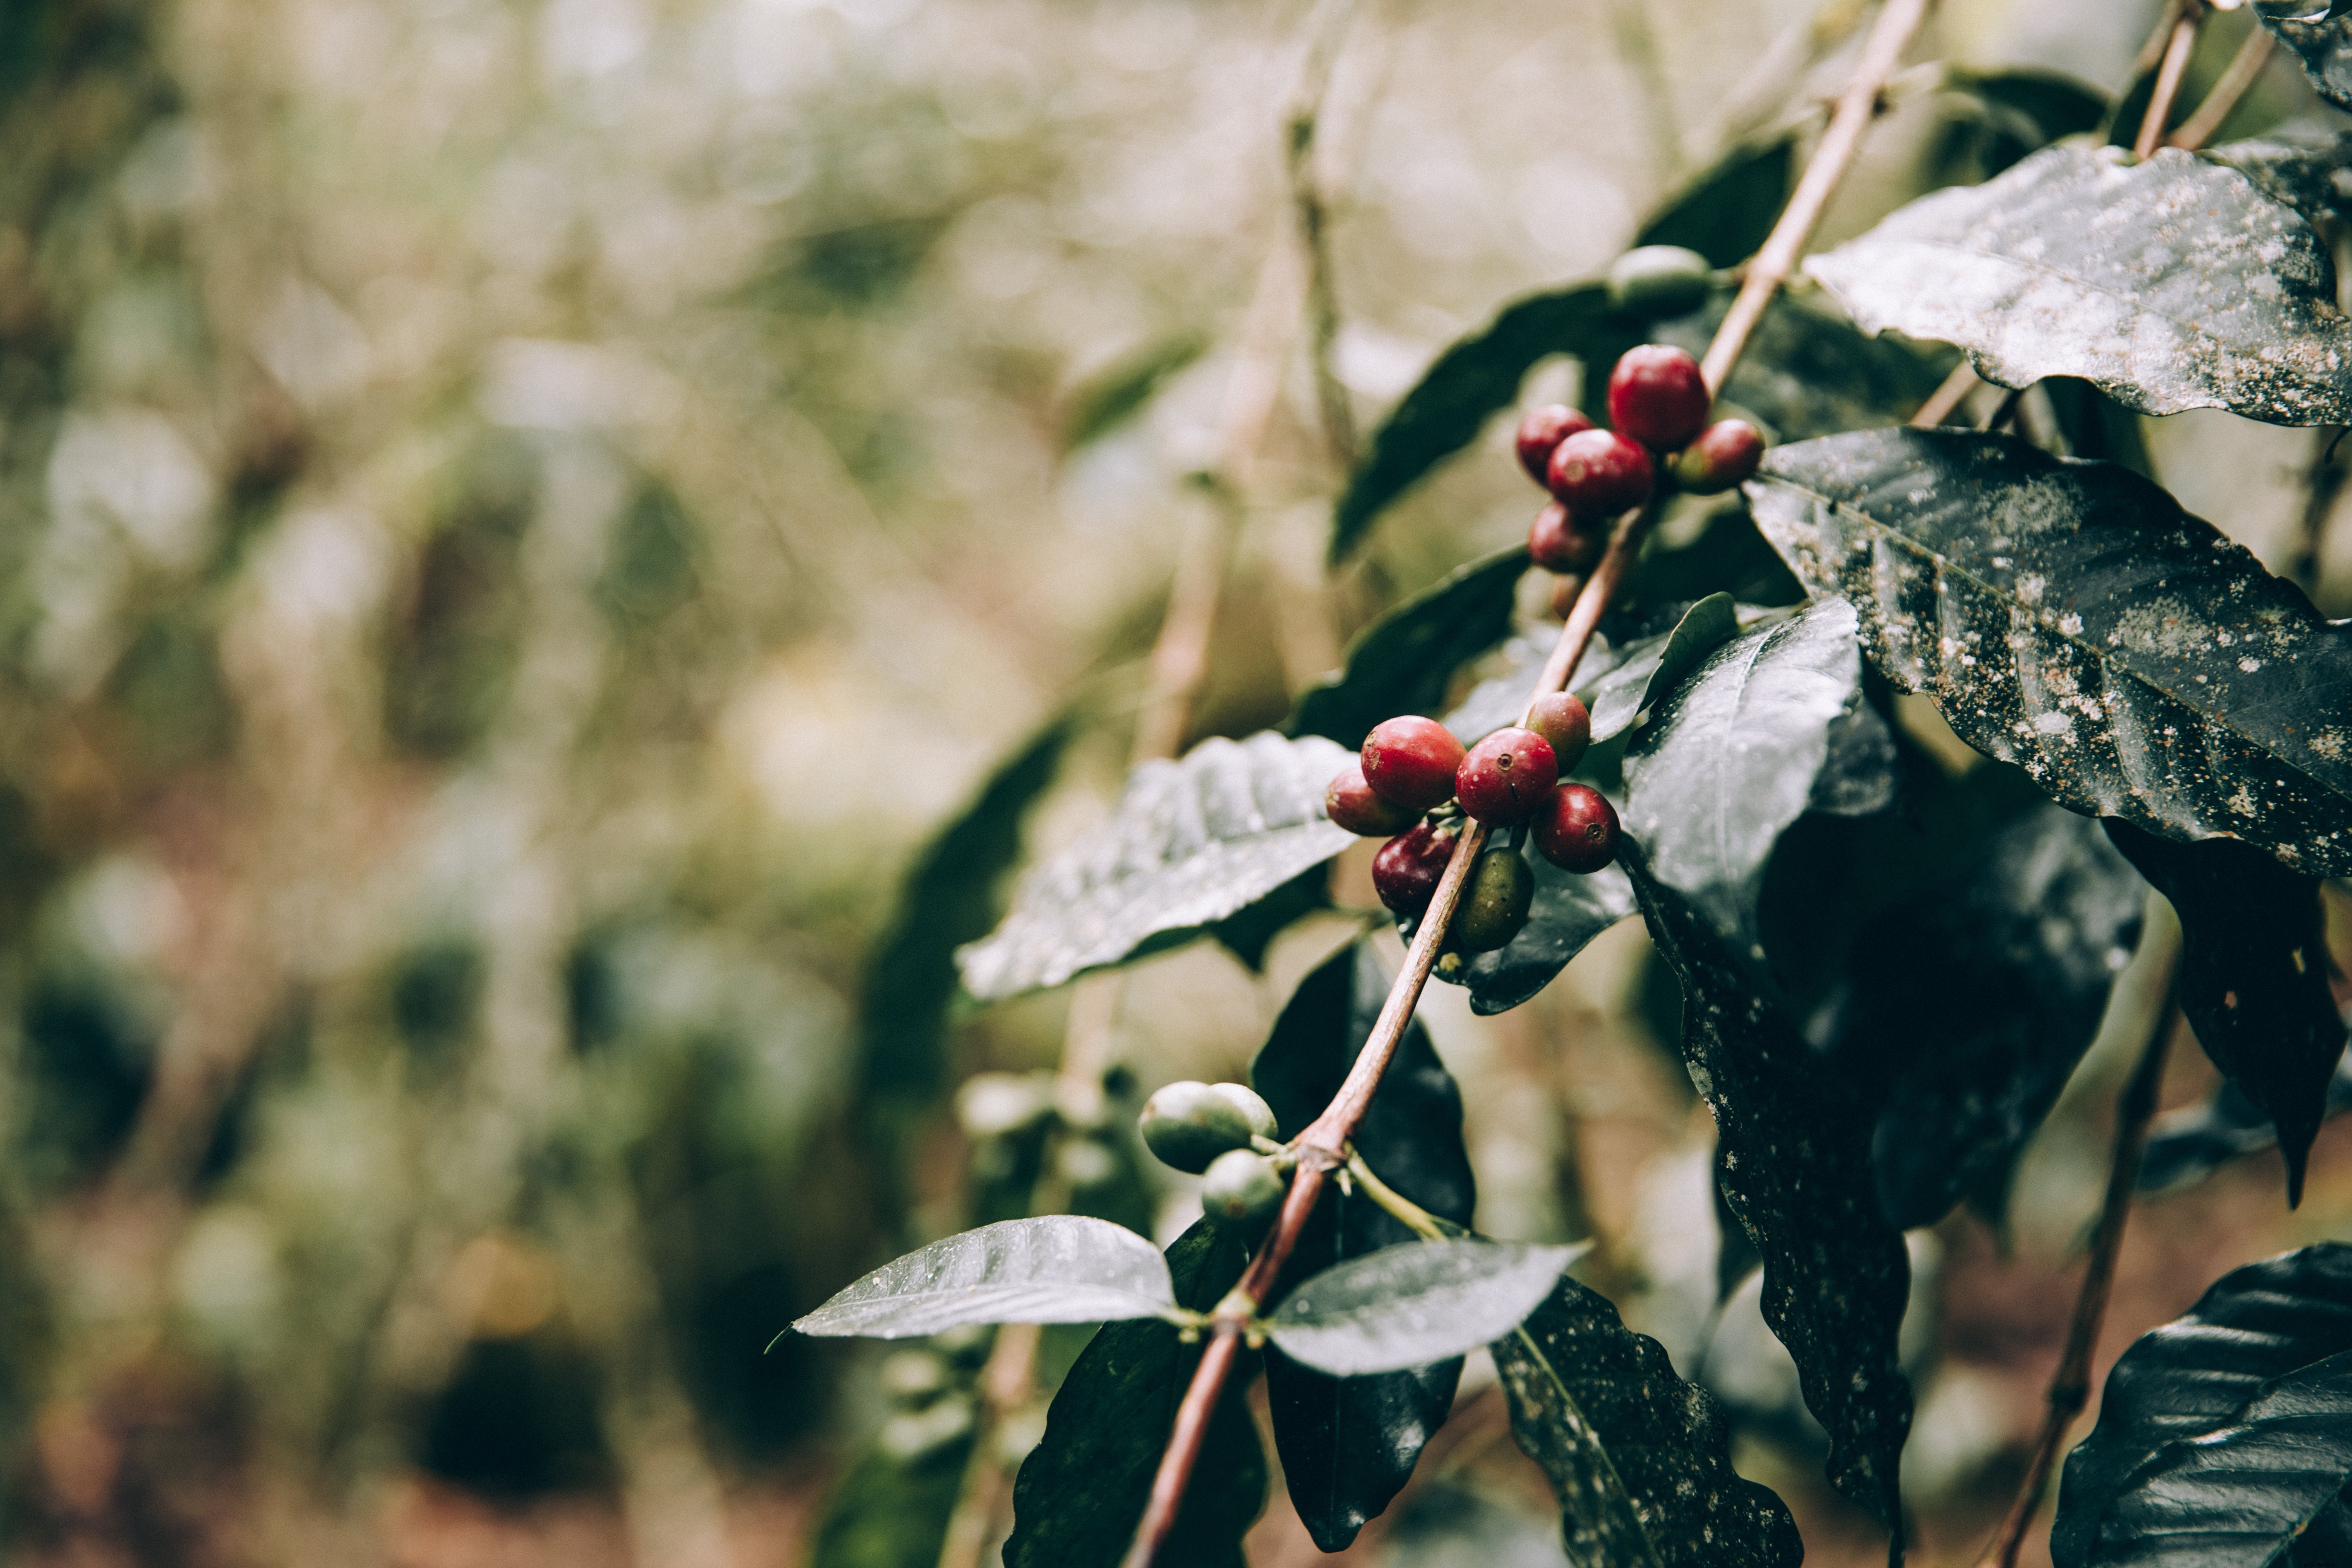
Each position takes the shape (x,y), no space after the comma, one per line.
(1657,281)
(1188,1124)
(1495,904)
(1242,1191)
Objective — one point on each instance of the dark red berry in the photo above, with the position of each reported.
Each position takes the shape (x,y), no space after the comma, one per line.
(1411,761)
(1577,830)
(1564,594)
(1405,872)
(1657,396)
(1561,720)
(1544,429)
(1351,803)
(1559,543)
(1600,473)
(1505,776)
(1725,454)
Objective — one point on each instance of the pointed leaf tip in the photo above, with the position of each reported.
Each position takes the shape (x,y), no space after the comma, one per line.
(1061,1268)
(1408,1306)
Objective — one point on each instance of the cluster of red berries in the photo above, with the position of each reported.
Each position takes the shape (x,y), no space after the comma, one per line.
(1658,403)
(1415,781)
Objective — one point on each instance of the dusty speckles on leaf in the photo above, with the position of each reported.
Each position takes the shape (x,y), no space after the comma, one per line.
(2158,673)
(2178,283)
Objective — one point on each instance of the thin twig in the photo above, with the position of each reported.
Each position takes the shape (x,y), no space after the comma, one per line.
(1945,400)
(2245,68)
(2182,44)
(1322,1148)
(1327,28)
(2070,1390)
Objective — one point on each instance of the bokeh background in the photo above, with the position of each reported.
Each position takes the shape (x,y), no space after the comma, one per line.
(518,520)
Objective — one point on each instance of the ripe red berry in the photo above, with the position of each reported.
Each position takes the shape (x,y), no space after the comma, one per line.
(1543,429)
(1411,761)
(1577,830)
(1724,454)
(1561,720)
(1505,776)
(1600,473)
(1559,543)
(1406,871)
(1351,803)
(1657,396)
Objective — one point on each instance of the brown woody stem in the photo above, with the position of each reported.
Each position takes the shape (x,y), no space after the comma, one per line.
(2244,67)
(2176,50)
(1323,1147)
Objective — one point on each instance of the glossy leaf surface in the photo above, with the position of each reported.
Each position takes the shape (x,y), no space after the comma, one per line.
(2321,36)
(1056,1268)
(1404,662)
(1808,372)
(2254,977)
(1190,843)
(1415,1303)
(1797,1173)
(2071,618)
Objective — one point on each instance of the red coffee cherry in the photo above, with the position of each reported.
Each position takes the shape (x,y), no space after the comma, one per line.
(1724,453)
(1561,720)
(1600,473)
(1505,776)
(1543,429)
(1559,543)
(1405,872)
(1411,761)
(1577,830)
(1351,803)
(1657,396)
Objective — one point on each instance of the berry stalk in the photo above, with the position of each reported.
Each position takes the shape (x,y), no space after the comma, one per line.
(1322,1148)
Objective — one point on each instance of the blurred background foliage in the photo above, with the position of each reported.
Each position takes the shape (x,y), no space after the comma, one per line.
(518,520)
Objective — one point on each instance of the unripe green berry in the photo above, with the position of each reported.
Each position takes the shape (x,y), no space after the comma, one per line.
(1495,903)
(1657,281)
(1188,1124)
(1242,1191)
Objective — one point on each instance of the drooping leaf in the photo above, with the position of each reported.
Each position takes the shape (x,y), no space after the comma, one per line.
(1446,409)
(1732,756)
(2225,1431)
(1414,1303)
(2254,976)
(950,898)
(1640,1460)
(2020,949)
(1056,1269)
(2172,284)
(1348,1444)
(1116,394)
(1403,662)
(2190,1144)
(2321,36)
(2070,617)
(1797,1173)
(1081,1491)
(1190,843)
(1726,211)
(1653,667)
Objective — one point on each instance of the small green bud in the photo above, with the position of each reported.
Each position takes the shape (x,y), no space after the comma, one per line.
(1254,1110)
(1243,1190)
(1188,1124)
(1495,902)
(1658,280)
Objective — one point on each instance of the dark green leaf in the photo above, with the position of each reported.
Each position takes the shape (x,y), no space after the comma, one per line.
(1797,1171)
(1735,754)
(1413,1304)
(1446,409)
(1568,912)
(1056,1268)
(2194,1142)
(1640,1459)
(2254,976)
(1081,1491)
(2223,1432)
(1653,667)
(2172,284)
(1404,662)
(2321,37)
(2071,618)
(1120,391)
(2020,949)
(1807,373)
(891,1512)
(948,899)
(2053,104)
(1727,210)
(1348,1444)
(1190,843)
